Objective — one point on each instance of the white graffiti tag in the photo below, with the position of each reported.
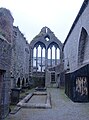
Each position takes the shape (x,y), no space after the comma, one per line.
(81,85)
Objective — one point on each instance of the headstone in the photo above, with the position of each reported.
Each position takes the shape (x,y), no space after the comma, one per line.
(15,94)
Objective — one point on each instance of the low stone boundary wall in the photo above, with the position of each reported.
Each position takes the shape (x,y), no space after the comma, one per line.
(24,103)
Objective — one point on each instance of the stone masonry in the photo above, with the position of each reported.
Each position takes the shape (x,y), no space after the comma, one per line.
(76,57)
(6,29)
(72,43)
(46,40)
(20,59)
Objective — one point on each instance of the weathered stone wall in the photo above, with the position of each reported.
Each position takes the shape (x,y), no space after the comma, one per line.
(59,75)
(6,24)
(76,57)
(6,29)
(46,39)
(5,58)
(20,58)
(48,78)
(71,45)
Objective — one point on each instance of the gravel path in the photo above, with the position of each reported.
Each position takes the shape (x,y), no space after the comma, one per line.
(62,109)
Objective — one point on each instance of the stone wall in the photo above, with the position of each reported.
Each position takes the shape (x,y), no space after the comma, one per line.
(46,39)
(76,57)
(75,41)
(20,59)
(48,78)
(5,58)
(6,24)
(6,29)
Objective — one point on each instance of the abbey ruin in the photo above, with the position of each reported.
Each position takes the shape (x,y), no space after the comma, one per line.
(45,62)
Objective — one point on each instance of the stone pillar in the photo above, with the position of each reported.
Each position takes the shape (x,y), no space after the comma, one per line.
(41,58)
(36,58)
(55,56)
(46,58)
(6,30)
(51,57)
(31,61)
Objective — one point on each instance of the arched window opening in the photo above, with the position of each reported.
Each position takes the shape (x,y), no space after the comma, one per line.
(43,53)
(58,55)
(34,52)
(82,45)
(49,56)
(46,30)
(34,57)
(49,52)
(23,83)
(53,55)
(18,83)
(43,59)
(53,52)
(39,51)
(39,57)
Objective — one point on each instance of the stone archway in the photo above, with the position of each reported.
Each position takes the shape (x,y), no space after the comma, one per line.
(39,56)
(23,83)
(18,82)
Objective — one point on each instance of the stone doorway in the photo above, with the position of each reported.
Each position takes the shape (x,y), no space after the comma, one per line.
(1,87)
(1,80)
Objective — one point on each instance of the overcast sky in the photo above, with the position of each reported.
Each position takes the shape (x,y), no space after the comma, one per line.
(31,15)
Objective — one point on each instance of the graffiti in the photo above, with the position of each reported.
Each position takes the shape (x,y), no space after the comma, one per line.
(81,86)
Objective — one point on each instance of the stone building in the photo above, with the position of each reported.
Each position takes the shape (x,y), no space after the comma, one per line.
(76,56)
(6,29)
(20,59)
(46,52)
(6,24)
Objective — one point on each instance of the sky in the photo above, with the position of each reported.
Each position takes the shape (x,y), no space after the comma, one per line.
(32,15)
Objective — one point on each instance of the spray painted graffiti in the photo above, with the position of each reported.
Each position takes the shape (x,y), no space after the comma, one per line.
(82,86)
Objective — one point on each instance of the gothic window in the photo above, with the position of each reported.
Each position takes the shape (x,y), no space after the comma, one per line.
(53,54)
(46,50)
(82,44)
(39,56)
